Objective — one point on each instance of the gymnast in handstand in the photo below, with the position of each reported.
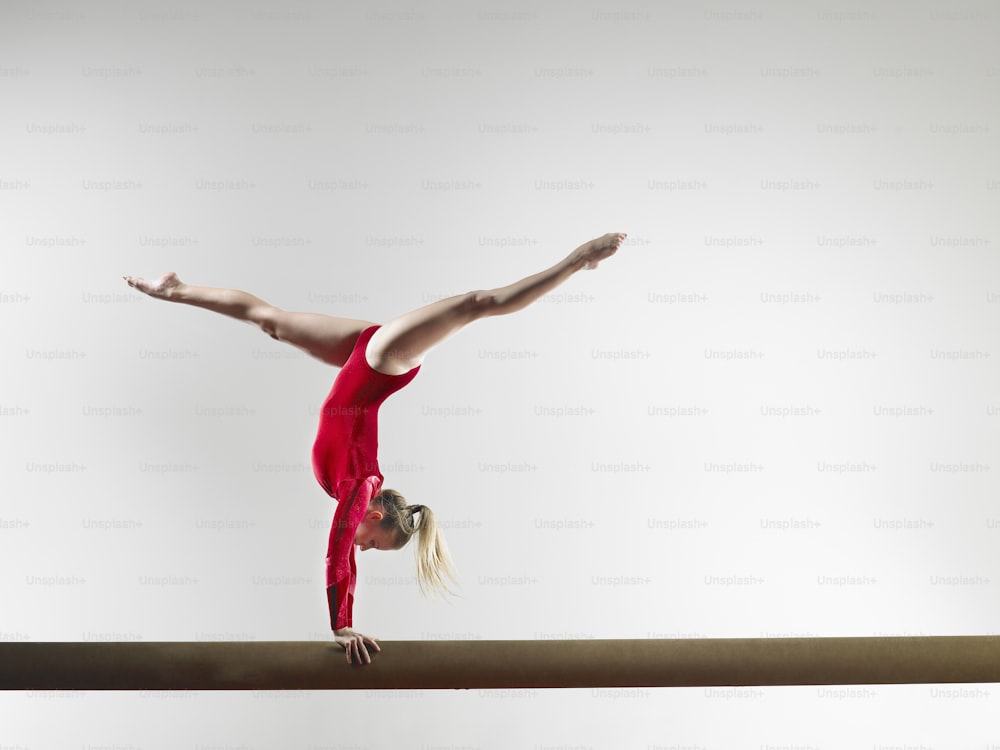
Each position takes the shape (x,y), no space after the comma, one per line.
(375,361)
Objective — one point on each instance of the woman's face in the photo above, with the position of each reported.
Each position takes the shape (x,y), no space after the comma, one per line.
(371,535)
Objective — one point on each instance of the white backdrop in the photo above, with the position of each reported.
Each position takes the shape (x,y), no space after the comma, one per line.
(774,412)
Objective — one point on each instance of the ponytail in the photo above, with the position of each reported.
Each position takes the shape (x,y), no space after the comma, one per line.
(434,565)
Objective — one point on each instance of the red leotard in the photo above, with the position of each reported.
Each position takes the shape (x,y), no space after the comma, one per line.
(345,462)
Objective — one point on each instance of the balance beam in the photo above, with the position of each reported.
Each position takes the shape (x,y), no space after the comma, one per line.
(435,665)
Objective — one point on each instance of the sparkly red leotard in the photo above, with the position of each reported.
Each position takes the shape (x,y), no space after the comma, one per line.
(345,462)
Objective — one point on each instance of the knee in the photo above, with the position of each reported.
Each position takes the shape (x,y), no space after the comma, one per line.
(266,318)
(481,303)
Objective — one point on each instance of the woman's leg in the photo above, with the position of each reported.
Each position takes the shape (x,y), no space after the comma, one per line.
(400,345)
(327,338)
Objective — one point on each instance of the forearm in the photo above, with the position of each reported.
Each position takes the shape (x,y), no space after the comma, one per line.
(335,614)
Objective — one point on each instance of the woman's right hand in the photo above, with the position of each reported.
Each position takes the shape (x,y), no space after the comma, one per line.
(354,643)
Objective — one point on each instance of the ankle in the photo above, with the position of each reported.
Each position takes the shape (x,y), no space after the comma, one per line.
(179,293)
(576,260)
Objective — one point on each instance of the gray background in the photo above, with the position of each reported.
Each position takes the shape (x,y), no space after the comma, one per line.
(774,412)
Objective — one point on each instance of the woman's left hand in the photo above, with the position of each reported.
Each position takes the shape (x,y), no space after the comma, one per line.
(354,643)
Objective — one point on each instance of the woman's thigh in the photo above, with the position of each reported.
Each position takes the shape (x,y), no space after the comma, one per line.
(325,337)
(401,343)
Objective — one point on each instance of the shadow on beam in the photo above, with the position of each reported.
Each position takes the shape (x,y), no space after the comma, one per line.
(433,665)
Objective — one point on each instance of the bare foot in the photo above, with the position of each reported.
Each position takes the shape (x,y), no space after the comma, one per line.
(164,287)
(595,251)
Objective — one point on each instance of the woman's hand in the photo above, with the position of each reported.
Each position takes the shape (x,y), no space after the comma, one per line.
(354,643)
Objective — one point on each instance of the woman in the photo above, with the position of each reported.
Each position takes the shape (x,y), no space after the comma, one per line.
(375,361)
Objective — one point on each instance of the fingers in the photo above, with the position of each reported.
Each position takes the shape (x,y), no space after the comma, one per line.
(357,652)
(360,652)
(363,650)
(352,652)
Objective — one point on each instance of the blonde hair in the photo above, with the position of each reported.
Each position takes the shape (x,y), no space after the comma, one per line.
(434,564)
